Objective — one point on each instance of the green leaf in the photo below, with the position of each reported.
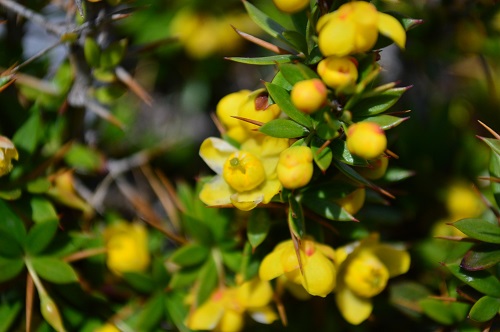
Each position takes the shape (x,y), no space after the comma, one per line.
(296,221)
(296,40)
(296,72)
(232,259)
(8,314)
(283,128)
(142,282)
(258,227)
(282,98)
(323,158)
(11,195)
(280,80)
(479,229)
(483,281)
(249,264)
(394,174)
(28,135)
(385,121)
(10,268)
(324,206)
(176,309)
(341,153)
(92,52)
(265,61)
(40,236)
(266,23)
(151,313)
(481,257)
(42,210)
(190,254)
(494,144)
(113,54)
(377,104)
(406,295)
(38,186)
(329,130)
(54,270)
(12,231)
(207,280)
(353,175)
(84,158)
(445,313)
(485,309)
(184,278)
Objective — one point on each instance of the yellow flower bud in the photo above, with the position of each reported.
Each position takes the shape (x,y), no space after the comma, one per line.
(366,275)
(309,95)
(376,169)
(353,202)
(257,108)
(366,140)
(463,202)
(295,167)
(291,6)
(243,171)
(7,152)
(338,73)
(127,247)
(228,106)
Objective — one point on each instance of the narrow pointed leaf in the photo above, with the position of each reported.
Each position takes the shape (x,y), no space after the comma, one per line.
(483,281)
(10,268)
(40,236)
(207,280)
(481,257)
(494,144)
(377,104)
(341,153)
(265,61)
(267,24)
(295,72)
(479,229)
(283,128)
(327,208)
(322,156)
(258,227)
(54,270)
(190,254)
(494,169)
(385,121)
(295,217)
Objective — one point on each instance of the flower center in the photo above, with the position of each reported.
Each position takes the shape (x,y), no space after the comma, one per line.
(366,275)
(243,171)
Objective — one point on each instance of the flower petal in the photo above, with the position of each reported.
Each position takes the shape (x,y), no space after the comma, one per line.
(390,27)
(206,317)
(397,261)
(246,201)
(255,293)
(231,321)
(215,151)
(216,192)
(271,266)
(264,315)
(354,309)
(336,38)
(319,275)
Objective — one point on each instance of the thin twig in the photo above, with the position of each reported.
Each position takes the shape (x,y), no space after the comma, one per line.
(33,17)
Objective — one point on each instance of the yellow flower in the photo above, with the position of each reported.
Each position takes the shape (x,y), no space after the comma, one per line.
(127,247)
(228,107)
(354,28)
(364,269)
(295,167)
(245,177)
(7,152)
(291,6)
(463,202)
(318,270)
(309,95)
(257,108)
(338,72)
(366,140)
(224,310)
(107,328)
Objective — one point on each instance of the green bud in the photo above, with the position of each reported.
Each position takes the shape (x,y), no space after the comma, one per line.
(50,313)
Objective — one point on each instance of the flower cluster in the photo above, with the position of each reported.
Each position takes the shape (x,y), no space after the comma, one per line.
(355,272)
(224,310)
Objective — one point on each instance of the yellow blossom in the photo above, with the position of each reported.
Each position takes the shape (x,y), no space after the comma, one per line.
(463,202)
(224,310)
(317,260)
(354,28)
(244,177)
(309,95)
(295,167)
(127,247)
(7,152)
(338,72)
(366,140)
(364,268)
(108,327)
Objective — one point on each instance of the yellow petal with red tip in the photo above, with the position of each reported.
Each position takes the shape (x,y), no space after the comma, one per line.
(319,275)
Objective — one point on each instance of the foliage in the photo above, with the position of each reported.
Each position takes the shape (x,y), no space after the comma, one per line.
(308,200)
